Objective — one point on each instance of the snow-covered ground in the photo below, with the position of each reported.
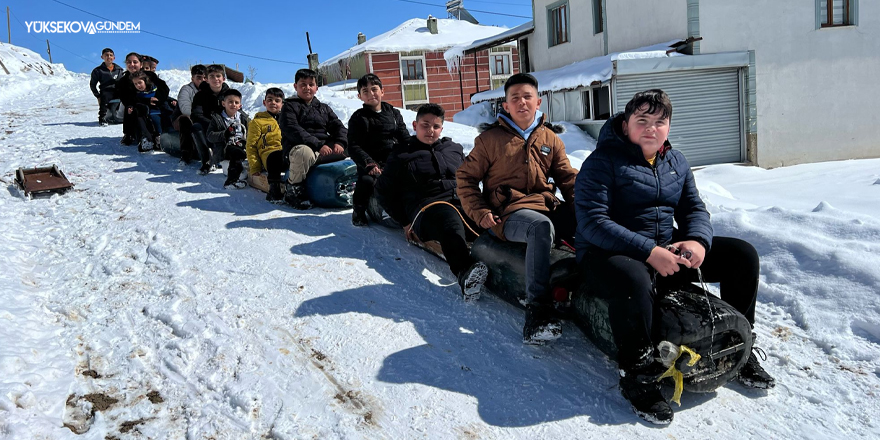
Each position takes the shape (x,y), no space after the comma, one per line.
(150,303)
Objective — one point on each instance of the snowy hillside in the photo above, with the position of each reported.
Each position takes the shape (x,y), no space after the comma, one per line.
(150,303)
(18,61)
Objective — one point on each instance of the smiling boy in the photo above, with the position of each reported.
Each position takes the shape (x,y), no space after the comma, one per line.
(227,133)
(373,131)
(105,76)
(205,103)
(311,133)
(514,159)
(264,144)
(644,230)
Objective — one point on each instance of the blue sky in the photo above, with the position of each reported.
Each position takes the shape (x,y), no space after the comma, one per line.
(268,29)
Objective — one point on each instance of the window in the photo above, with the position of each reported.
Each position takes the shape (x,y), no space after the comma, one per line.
(602,102)
(597,17)
(557,23)
(412,76)
(832,13)
(499,65)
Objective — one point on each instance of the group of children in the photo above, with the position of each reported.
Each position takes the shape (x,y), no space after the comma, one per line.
(633,212)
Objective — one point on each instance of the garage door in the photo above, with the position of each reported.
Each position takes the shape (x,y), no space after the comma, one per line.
(706,120)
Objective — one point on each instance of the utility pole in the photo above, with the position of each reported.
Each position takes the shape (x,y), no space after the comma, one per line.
(311,57)
(8,27)
(49,51)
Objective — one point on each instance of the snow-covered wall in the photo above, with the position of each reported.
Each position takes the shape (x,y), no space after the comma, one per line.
(816,89)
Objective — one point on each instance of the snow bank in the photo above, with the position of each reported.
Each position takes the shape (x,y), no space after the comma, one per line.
(18,61)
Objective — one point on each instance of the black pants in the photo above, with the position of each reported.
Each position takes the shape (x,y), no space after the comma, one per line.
(443,223)
(185,127)
(275,166)
(363,191)
(200,139)
(130,122)
(234,154)
(627,286)
(104,98)
(144,127)
(564,222)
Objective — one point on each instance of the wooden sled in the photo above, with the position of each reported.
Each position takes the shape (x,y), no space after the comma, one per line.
(41,182)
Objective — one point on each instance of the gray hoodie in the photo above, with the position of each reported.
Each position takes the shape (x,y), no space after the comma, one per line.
(185,98)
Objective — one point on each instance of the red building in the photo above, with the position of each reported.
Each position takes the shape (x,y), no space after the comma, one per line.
(411,64)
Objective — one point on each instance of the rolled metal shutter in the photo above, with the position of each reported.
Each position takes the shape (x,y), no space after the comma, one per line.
(706,118)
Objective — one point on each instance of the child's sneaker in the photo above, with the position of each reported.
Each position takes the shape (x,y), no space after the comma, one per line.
(235,184)
(471,281)
(541,325)
(274,195)
(216,168)
(645,397)
(145,145)
(359,217)
(204,170)
(295,195)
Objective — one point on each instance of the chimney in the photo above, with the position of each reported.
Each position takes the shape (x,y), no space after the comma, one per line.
(432,25)
(362,38)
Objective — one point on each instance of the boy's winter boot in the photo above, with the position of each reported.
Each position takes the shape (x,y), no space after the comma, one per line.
(127,140)
(295,195)
(233,173)
(205,169)
(541,325)
(359,216)
(471,281)
(274,195)
(640,387)
(752,375)
(145,145)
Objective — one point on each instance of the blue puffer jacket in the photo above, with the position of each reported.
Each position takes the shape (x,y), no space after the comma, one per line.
(625,206)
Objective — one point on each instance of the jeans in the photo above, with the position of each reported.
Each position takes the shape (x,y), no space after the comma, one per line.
(535,230)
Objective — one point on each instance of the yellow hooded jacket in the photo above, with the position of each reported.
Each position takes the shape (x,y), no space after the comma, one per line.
(264,137)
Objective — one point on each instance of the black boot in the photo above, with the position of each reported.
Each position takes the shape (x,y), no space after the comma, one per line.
(640,387)
(541,325)
(471,281)
(295,195)
(752,375)
(359,216)
(274,195)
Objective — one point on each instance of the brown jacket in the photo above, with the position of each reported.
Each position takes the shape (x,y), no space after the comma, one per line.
(514,173)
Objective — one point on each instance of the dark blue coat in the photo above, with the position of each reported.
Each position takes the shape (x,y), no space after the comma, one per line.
(625,206)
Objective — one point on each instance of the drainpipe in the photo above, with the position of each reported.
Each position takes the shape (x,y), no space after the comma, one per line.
(605,26)
(693,26)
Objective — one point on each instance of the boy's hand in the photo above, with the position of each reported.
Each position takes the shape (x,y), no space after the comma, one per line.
(154,100)
(666,263)
(489,220)
(692,251)
(376,172)
(230,131)
(325,151)
(338,149)
(129,110)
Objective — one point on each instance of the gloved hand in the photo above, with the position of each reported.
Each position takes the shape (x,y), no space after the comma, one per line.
(230,131)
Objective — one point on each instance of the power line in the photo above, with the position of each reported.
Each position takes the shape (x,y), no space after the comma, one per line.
(53,44)
(187,42)
(470,10)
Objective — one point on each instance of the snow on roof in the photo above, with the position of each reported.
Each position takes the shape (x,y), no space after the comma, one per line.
(584,73)
(414,35)
(455,53)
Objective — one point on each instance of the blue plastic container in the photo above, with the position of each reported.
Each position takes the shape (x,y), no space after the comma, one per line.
(331,185)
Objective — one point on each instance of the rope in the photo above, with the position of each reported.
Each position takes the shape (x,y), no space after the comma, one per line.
(410,232)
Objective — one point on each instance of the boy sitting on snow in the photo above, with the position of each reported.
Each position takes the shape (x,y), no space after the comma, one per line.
(310,133)
(628,194)
(205,103)
(514,160)
(264,149)
(373,131)
(227,133)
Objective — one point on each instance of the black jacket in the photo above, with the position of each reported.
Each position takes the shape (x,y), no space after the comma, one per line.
(206,103)
(372,135)
(417,174)
(103,76)
(625,206)
(313,124)
(126,92)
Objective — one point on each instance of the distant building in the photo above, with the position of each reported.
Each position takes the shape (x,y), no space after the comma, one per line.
(784,83)
(410,61)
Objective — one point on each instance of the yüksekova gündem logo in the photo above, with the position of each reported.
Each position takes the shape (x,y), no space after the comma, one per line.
(86,27)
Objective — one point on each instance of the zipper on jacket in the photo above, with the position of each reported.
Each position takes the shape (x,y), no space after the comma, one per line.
(656,205)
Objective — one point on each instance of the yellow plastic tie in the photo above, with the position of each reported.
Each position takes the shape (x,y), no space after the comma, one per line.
(676,375)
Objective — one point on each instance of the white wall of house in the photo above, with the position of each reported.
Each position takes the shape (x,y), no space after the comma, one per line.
(582,45)
(817,89)
(645,22)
